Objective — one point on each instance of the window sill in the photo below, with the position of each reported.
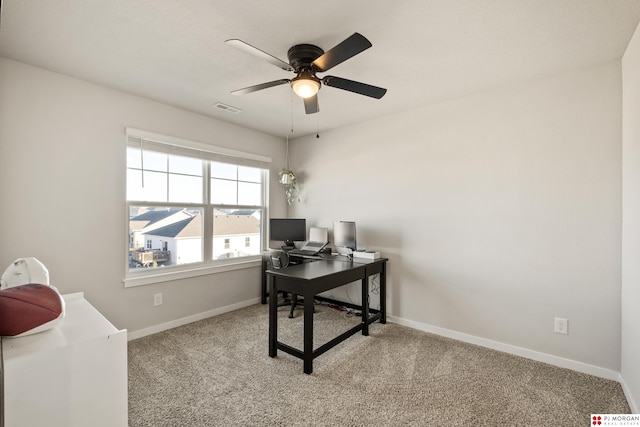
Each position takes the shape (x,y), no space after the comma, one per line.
(154,276)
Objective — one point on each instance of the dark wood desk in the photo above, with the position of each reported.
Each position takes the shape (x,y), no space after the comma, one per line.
(310,278)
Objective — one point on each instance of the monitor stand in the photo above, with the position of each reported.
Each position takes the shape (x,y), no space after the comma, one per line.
(288,245)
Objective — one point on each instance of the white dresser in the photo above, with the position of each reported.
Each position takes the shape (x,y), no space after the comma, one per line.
(72,375)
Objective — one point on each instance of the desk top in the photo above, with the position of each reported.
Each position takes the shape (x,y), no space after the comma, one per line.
(326,265)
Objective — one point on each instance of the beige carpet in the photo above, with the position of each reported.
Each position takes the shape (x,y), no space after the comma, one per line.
(216,372)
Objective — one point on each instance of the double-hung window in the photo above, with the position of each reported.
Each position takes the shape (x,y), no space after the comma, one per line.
(191,207)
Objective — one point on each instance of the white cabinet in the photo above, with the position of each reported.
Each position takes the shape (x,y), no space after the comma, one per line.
(72,375)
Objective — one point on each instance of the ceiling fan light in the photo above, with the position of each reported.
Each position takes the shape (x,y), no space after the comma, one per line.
(305,87)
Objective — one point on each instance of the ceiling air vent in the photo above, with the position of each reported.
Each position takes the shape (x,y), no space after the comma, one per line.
(227,108)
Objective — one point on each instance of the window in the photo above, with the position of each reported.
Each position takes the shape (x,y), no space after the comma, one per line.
(190,206)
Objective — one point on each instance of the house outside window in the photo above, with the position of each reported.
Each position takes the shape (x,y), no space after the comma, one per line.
(189,208)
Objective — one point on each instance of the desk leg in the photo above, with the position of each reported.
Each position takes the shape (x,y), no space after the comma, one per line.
(383,294)
(263,284)
(273,317)
(308,334)
(365,305)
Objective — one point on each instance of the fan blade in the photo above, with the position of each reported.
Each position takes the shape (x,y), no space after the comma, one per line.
(260,87)
(251,50)
(348,48)
(356,87)
(311,104)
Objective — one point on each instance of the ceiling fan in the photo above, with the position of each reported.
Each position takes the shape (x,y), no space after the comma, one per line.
(306,60)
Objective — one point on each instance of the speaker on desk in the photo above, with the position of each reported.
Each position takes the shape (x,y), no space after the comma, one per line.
(279,259)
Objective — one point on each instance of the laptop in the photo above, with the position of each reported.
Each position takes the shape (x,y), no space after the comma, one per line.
(317,241)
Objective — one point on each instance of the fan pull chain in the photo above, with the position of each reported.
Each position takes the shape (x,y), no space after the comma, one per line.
(287,155)
(291,98)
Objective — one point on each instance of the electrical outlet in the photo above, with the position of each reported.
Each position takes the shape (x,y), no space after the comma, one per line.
(561,326)
(157,299)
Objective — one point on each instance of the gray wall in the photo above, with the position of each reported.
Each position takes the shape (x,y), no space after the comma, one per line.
(62,181)
(498,211)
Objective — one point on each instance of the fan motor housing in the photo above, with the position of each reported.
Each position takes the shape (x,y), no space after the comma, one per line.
(302,55)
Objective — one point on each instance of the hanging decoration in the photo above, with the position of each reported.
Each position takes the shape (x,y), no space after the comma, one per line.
(288,178)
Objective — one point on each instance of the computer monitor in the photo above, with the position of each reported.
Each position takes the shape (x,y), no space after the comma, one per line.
(288,230)
(344,236)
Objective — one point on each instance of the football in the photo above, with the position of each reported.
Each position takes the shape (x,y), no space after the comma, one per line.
(28,309)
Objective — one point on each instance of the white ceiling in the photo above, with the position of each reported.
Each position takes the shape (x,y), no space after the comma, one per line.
(424,51)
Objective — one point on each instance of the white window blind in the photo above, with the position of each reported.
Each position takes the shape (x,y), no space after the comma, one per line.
(137,138)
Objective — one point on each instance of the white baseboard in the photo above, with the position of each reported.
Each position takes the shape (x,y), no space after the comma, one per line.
(511,349)
(189,319)
(635,409)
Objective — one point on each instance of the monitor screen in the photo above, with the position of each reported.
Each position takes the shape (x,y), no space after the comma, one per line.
(288,230)
(344,234)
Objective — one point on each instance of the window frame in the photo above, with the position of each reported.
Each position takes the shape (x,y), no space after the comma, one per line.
(206,153)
